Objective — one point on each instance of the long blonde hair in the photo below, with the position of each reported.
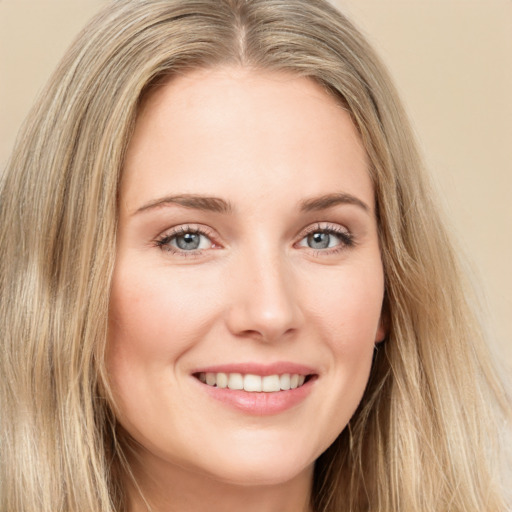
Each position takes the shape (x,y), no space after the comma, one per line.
(424,437)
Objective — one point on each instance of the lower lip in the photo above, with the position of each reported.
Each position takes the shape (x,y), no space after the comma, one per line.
(260,404)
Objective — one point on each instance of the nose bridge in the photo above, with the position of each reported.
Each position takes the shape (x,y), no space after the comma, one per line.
(263,300)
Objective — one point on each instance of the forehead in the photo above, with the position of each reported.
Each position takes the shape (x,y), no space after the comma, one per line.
(255,130)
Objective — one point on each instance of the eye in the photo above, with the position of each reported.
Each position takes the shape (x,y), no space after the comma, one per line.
(326,237)
(190,241)
(185,239)
(321,240)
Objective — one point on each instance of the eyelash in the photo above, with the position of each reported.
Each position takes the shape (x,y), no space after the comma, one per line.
(163,242)
(346,239)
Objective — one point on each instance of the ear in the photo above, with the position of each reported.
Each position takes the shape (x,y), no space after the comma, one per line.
(382,330)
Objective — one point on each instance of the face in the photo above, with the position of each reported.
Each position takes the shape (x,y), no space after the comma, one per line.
(248,285)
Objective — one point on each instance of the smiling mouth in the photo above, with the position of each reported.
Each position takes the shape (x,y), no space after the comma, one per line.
(253,383)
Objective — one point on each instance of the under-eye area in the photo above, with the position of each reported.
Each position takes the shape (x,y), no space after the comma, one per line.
(254,383)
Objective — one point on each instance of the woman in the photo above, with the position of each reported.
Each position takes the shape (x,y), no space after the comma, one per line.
(225,284)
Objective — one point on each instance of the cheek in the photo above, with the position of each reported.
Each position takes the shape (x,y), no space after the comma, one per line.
(349,316)
(153,320)
(348,305)
(344,313)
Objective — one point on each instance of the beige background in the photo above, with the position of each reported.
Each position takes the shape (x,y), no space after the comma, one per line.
(452,62)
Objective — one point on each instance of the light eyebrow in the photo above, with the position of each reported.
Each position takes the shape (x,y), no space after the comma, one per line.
(193,201)
(329,200)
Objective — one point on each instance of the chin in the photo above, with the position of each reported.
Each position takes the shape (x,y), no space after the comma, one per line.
(272,473)
(261,466)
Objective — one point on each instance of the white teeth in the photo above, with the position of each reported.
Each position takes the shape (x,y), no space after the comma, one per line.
(222,380)
(284,381)
(235,381)
(253,383)
(271,383)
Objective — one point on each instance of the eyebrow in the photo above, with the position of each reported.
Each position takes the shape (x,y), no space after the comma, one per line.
(329,200)
(193,201)
(218,205)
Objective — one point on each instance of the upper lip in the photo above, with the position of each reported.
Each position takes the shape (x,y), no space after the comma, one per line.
(277,368)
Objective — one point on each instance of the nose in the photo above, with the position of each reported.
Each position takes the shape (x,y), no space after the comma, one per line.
(264,303)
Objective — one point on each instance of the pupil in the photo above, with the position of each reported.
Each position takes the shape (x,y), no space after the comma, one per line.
(188,241)
(318,240)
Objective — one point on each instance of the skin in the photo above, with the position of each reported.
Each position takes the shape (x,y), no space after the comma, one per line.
(255,291)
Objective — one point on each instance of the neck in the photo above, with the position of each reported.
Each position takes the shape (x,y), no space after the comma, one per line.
(175,489)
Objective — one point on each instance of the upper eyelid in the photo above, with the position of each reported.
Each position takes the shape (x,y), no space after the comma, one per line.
(323,226)
(203,229)
(187,228)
